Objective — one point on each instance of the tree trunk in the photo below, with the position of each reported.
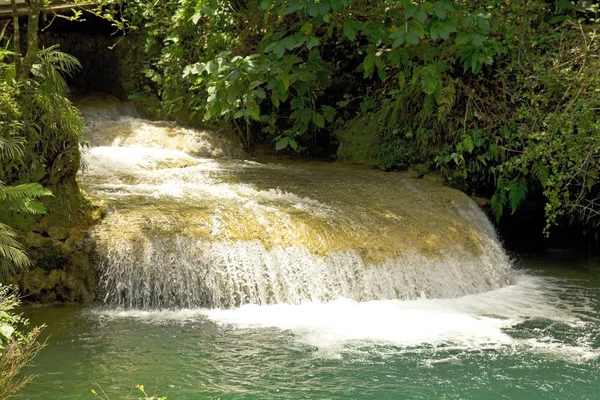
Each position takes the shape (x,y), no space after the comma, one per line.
(17,37)
(35,7)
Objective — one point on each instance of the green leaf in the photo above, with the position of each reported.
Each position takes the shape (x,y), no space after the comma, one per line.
(312,8)
(328,113)
(265,4)
(412,38)
(483,23)
(393,57)
(446,29)
(313,42)
(292,8)
(285,79)
(439,10)
(421,16)
(6,331)
(417,29)
(477,39)
(368,64)
(196,17)
(307,28)
(349,30)
(337,5)
(279,49)
(462,38)
(292,143)
(399,38)
(564,5)
(410,10)
(366,104)
(282,143)
(318,120)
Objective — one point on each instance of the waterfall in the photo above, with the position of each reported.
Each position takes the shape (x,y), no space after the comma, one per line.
(191,223)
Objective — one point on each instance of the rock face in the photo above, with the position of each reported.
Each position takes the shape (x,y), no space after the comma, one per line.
(60,251)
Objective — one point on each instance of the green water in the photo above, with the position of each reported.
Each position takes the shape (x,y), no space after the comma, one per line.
(538,339)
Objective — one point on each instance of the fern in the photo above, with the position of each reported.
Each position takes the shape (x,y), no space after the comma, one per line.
(51,66)
(517,191)
(24,191)
(20,198)
(11,147)
(498,203)
(468,144)
(541,173)
(11,251)
(446,101)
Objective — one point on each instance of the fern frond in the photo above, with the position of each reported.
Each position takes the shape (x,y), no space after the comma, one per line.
(541,173)
(11,250)
(24,191)
(446,101)
(51,65)
(517,191)
(498,203)
(468,144)
(431,79)
(12,147)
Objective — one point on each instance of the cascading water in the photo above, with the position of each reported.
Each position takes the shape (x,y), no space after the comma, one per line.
(191,224)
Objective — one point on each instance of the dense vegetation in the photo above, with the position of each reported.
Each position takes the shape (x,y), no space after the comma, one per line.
(17,348)
(500,97)
(39,142)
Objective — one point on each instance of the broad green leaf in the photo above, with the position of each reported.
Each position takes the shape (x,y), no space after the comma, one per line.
(328,113)
(337,5)
(349,31)
(410,11)
(421,16)
(412,38)
(279,49)
(483,23)
(265,4)
(439,10)
(307,28)
(477,39)
(417,29)
(6,331)
(312,9)
(282,143)
(399,38)
(313,42)
(318,120)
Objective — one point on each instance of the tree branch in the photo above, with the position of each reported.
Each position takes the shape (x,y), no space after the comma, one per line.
(35,7)
(17,37)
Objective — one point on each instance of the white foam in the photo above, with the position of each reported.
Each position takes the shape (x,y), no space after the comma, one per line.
(471,323)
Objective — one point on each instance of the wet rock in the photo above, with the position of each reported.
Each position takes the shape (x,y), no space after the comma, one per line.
(56,278)
(32,282)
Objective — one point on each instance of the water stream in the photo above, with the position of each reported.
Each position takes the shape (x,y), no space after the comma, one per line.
(222,277)
(191,224)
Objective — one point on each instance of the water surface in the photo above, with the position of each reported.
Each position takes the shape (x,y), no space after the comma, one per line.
(537,339)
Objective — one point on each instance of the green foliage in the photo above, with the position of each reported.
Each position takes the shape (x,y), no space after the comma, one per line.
(540,118)
(274,64)
(17,199)
(39,139)
(17,348)
(500,97)
(39,127)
